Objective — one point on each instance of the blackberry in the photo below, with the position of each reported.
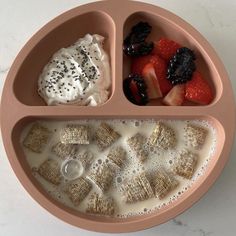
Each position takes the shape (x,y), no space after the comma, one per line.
(181,66)
(134,44)
(138,49)
(139,96)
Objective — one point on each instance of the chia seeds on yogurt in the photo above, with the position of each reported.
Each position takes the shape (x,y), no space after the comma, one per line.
(77,75)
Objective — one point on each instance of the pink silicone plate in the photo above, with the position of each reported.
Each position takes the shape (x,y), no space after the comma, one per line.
(21,103)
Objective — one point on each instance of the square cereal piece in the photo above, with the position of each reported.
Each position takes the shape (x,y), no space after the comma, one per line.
(100,205)
(162,137)
(185,164)
(105,136)
(162,183)
(195,135)
(137,189)
(37,138)
(63,150)
(50,171)
(86,158)
(136,144)
(78,189)
(75,134)
(117,156)
(102,176)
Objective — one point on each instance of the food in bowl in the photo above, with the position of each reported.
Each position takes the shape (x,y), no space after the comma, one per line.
(77,75)
(123,167)
(108,21)
(162,70)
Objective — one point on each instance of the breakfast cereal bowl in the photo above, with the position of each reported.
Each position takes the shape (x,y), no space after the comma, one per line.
(21,107)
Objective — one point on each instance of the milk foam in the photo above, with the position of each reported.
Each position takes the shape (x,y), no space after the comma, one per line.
(157,158)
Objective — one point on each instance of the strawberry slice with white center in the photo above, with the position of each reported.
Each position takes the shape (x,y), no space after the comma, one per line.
(160,67)
(176,96)
(151,80)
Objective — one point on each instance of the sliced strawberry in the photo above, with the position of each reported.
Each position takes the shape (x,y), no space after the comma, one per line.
(198,90)
(160,69)
(165,48)
(153,87)
(176,96)
(138,63)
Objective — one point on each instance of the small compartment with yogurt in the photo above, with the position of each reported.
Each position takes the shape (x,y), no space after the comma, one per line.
(74,65)
(163,66)
(118,167)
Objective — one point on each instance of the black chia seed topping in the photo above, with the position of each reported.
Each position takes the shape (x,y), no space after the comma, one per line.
(68,70)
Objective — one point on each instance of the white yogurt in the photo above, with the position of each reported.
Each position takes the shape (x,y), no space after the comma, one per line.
(128,128)
(79,74)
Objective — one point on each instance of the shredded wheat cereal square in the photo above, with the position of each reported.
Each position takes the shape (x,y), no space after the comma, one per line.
(185,163)
(136,144)
(117,156)
(195,135)
(50,171)
(86,159)
(137,189)
(75,134)
(78,189)
(105,136)
(37,138)
(100,205)
(162,137)
(102,176)
(63,150)
(162,183)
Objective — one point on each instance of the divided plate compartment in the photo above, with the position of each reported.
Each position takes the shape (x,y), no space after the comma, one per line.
(21,104)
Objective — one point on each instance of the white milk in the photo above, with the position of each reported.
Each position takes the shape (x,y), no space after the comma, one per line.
(126,128)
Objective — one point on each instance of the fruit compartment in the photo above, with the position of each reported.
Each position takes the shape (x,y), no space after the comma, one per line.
(46,200)
(52,37)
(165,27)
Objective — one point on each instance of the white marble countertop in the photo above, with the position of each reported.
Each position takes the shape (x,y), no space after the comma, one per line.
(213,215)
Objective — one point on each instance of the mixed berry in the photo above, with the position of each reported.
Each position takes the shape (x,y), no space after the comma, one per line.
(162,70)
(135,89)
(135,44)
(181,66)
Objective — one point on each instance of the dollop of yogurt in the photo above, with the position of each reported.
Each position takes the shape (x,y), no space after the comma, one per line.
(77,75)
